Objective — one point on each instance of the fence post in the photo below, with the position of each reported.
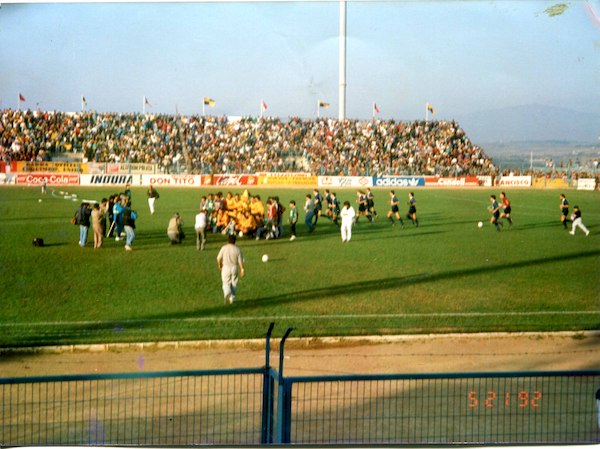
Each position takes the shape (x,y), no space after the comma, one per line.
(266,435)
(284,402)
(598,406)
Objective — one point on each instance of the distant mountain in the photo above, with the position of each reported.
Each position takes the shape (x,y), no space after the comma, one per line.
(531,123)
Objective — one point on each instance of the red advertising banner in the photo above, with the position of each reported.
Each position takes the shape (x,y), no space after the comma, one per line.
(235,180)
(463,181)
(52,179)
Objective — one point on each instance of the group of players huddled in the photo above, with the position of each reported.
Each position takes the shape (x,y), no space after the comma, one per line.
(247,215)
(243,214)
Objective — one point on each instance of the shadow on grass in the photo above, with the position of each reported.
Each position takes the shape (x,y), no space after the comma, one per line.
(349,288)
(135,328)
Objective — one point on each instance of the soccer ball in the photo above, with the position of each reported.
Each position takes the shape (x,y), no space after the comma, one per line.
(480,224)
(265,258)
(241,234)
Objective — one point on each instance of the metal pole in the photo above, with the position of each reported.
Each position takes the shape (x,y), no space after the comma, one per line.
(342,62)
(266,436)
(283,399)
(281,352)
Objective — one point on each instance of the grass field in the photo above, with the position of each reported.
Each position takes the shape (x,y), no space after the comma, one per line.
(445,276)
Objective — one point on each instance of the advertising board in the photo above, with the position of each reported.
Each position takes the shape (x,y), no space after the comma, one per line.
(174,180)
(52,179)
(129,168)
(51,167)
(550,182)
(461,181)
(486,181)
(6,178)
(514,181)
(399,181)
(235,180)
(586,184)
(345,181)
(109,180)
(287,179)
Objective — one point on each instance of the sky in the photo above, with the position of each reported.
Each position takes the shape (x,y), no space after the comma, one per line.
(462,57)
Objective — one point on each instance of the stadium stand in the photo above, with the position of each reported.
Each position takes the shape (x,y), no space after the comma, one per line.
(206,144)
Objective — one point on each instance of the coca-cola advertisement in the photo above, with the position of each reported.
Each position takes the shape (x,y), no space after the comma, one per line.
(235,180)
(52,179)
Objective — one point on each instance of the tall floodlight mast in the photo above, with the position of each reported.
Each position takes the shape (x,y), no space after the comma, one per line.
(342,61)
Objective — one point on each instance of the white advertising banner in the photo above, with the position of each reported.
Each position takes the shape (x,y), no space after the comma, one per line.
(345,181)
(586,184)
(7,178)
(485,181)
(109,180)
(514,181)
(173,180)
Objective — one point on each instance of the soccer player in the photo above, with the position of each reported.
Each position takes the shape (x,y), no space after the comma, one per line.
(506,209)
(361,200)
(394,210)
(564,210)
(328,201)
(371,203)
(577,223)
(293,219)
(334,208)
(318,201)
(347,215)
(495,210)
(412,209)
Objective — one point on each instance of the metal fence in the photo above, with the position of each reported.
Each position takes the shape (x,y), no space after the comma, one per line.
(188,408)
(262,406)
(505,408)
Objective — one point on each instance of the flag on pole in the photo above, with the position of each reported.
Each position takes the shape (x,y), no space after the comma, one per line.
(322,104)
(375,108)
(22,98)
(430,108)
(263,107)
(144,104)
(209,101)
(83,103)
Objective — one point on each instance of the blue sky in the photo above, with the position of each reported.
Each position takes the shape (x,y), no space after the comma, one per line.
(462,57)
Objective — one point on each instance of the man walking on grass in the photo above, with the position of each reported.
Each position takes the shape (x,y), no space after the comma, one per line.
(229,259)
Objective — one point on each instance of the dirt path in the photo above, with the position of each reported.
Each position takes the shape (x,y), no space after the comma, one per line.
(409,354)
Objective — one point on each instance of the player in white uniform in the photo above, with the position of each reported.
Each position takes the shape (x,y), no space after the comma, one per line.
(347,213)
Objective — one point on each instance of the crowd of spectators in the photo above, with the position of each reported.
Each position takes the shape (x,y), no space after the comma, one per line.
(206,144)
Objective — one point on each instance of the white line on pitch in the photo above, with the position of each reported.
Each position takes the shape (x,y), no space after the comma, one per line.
(311,317)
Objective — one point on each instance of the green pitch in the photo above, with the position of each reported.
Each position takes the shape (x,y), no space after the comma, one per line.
(445,276)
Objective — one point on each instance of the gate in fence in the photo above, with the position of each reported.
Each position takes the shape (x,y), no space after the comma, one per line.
(262,406)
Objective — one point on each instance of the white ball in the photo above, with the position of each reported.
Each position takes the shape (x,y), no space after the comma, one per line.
(265,258)
(40,200)
(480,224)
(241,234)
